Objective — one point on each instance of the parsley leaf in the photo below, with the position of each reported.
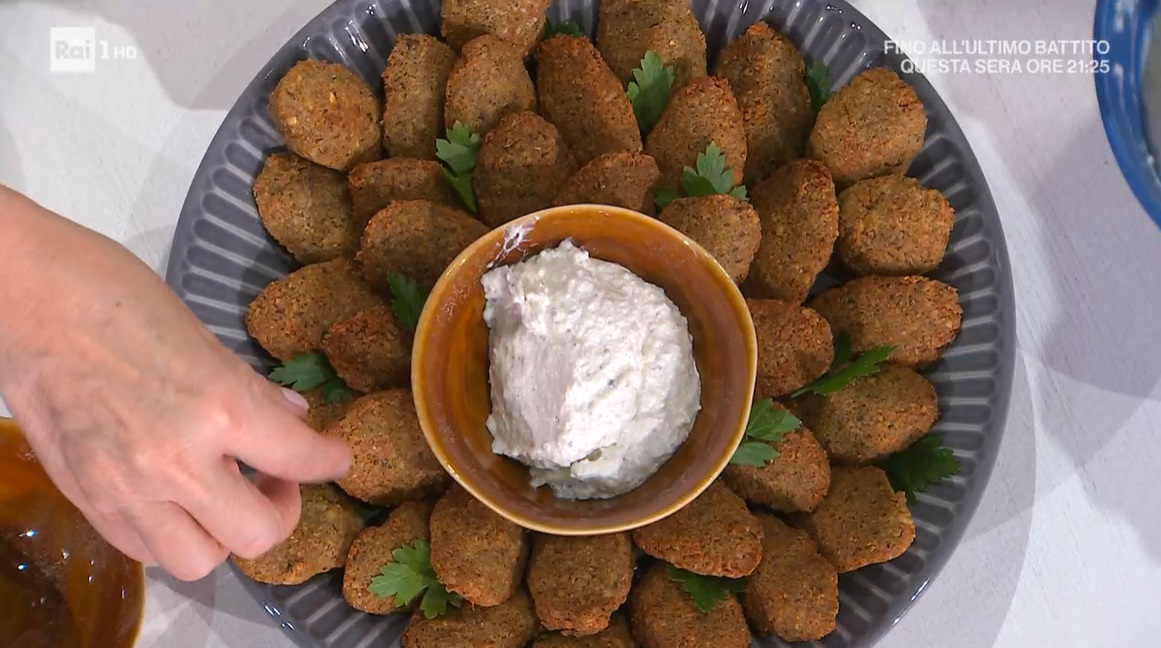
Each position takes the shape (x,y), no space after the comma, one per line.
(836,379)
(564,27)
(767,425)
(706,591)
(407,299)
(649,91)
(411,575)
(458,153)
(709,178)
(920,466)
(818,84)
(306,371)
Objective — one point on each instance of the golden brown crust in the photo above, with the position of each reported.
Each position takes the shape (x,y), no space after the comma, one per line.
(475,552)
(714,535)
(416,238)
(370,350)
(893,225)
(794,481)
(488,82)
(620,179)
(578,582)
(519,22)
(306,208)
(627,29)
(662,615)
(511,624)
(794,592)
(373,549)
(795,346)
(374,186)
(919,316)
(321,414)
(727,227)
(414,85)
(615,636)
(701,113)
(392,461)
(522,164)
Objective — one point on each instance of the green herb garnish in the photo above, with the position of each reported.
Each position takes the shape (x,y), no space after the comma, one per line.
(407,299)
(706,591)
(562,28)
(818,84)
(648,92)
(709,178)
(309,370)
(411,575)
(767,425)
(921,465)
(458,153)
(839,376)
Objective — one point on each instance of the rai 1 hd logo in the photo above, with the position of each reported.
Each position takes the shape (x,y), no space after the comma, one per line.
(77,49)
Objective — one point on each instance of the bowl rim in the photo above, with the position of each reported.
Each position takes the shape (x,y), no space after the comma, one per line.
(423,329)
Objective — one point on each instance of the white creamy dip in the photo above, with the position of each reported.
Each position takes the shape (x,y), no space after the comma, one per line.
(594,384)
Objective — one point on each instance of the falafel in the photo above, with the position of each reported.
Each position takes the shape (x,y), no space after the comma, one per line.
(662,615)
(290,316)
(615,636)
(475,552)
(510,624)
(627,29)
(519,22)
(703,112)
(376,185)
(417,238)
(370,350)
(765,71)
(794,481)
(373,549)
(795,346)
(392,462)
(714,535)
(306,208)
(893,225)
(620,179)
(576,583)
(794,592)
(327,114)
(799,215)
(579,94)
(727,227)
(861,521)
(916,315)
(488,82)
(414,92)
(873,126)
(319,543)
(522,165)
(320,413)
(872,417)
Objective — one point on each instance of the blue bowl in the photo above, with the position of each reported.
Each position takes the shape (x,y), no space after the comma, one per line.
(1125,26)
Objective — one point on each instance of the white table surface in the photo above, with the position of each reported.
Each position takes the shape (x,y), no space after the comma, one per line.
(1066,547)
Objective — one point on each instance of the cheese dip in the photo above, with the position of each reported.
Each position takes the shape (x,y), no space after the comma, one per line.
(593,379)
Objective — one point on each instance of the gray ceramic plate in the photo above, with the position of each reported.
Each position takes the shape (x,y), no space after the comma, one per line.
(222,258)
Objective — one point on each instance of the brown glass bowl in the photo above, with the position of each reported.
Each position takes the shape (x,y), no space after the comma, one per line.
(450,367)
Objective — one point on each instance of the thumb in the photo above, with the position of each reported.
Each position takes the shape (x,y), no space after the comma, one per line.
(278,443)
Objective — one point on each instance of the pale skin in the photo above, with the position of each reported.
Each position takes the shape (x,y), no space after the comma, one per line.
(136,411)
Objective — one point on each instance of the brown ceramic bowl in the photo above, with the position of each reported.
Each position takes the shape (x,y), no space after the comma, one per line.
(450,367)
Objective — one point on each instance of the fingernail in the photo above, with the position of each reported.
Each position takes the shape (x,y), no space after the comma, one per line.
(295,398)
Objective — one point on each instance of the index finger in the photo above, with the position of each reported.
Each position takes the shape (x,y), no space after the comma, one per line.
(281,445)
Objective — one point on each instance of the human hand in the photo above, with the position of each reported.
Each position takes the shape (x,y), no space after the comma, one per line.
(138,414)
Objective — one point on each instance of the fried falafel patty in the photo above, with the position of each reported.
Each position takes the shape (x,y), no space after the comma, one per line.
(327,114)
(872,417)
(704,112)
(615,636)
(917,315)
(306,208)
(893,225)
(414,92)
(326,528)
(320,413)
(522,164)
(794,592)
(416,238)
(727,227)
(619,179)
(662,615)
(290,316)
(579,94)
(376,185)
(578,582)
(370,350)
(488,82)
(475,552)
(510,624)
(373,550)
(873,126)
(714,535)
(861,521)
(795,346)
(794,481)
(765,71)
(392,461)
(519,22)
(627,29)
(799,215)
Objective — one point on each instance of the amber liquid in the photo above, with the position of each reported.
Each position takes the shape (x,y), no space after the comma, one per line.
(61,585)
